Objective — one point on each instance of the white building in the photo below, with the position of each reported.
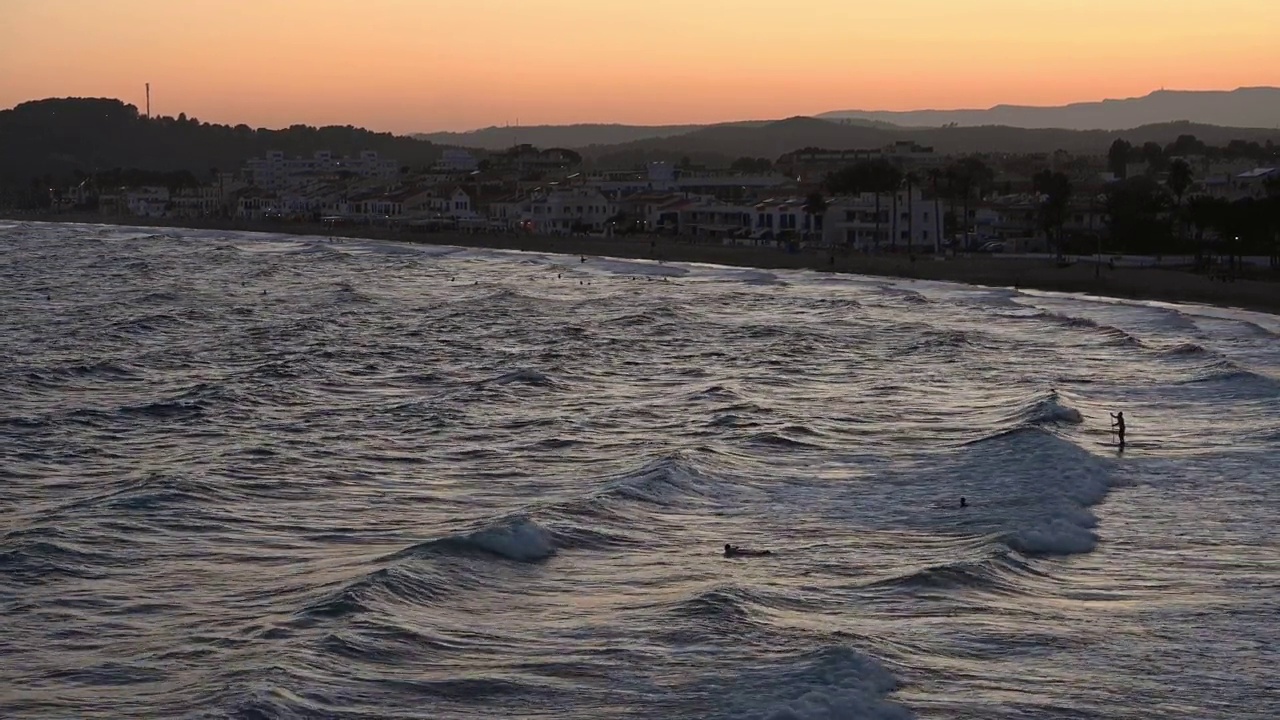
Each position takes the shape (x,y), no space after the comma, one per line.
(777,217)
(711,218)
(255,204)
(1254,183)
(510,211)
(562,211)
(148,201)
(905,219)
(207,200)
(811,164)
(717,183)
(455,160)
(442,201)
(276,172)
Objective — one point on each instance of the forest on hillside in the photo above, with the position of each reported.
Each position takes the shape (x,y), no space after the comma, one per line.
(57,139)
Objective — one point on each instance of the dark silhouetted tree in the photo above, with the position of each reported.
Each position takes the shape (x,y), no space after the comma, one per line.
(814,207)
(970,179)
(751,165)
(1118,157)
(911,180)
(1137,216)
(1054,189)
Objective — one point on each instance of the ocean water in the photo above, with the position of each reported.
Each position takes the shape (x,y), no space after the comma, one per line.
(264,476)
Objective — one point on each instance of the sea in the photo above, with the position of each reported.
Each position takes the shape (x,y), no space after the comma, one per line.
(249,475)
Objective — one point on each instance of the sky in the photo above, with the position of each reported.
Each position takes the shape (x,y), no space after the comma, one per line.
(427,65)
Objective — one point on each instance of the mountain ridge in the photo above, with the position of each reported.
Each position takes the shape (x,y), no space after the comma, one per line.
(1246,107)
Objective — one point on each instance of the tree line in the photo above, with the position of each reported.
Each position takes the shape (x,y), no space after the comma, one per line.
(1139,215)
(59,137)
(1158,158)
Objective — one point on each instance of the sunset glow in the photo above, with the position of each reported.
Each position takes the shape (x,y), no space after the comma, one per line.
(421,65)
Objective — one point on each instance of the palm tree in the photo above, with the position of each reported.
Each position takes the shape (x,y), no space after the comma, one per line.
(970,176)
(1201,214)
(883,176)
(848,180)
(814,205)
(935,179)
(1179,178)
(1056,189)
(911,179)
(1178,182)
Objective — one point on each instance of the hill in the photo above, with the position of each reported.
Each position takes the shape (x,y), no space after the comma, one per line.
(1257,107)
(58,137)
(784,136)
(584,135)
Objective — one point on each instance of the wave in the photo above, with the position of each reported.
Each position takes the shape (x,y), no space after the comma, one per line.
(957,575)
(101,369)
(756,277)
(1226,376)
(779,440)
(667,481)
(731,420)
(1040,410)
(910,297)
(636,267)
(831,683)
(394,583)
(150,323)
(1032,490)
(732,605)
(1185,350)
(404,580)
(714,393)
(38,556)
(524,377)
(649,316)
(194,402)
(515,538)
(1256,329)
(935,339)
(1051,410)
(1115,336)
(504,295)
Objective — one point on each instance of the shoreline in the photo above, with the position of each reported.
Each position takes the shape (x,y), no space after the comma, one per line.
(1131,283)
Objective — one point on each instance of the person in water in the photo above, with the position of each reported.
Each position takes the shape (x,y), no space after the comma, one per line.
(735,551)
(1118,424)
(963,502)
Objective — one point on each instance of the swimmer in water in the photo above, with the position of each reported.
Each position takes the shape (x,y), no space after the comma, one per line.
(735,551)
(963,502)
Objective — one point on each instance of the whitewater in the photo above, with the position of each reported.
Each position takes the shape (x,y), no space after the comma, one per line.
(247,475)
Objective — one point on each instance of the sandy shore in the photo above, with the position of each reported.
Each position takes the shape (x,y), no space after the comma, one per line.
(1124,282)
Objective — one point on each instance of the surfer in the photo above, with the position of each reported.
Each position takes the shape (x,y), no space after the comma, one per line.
(735,551)
(1118,424)
(963,502)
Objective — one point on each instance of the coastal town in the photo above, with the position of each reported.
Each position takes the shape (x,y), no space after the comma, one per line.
(903,197)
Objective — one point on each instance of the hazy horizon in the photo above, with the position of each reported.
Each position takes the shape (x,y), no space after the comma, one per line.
(403,67)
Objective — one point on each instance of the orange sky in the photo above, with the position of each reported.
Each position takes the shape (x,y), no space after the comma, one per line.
(421,65)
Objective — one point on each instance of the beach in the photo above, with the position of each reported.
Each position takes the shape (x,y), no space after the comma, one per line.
(1144,283)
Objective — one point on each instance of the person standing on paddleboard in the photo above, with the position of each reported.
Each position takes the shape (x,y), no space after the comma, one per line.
(1118,424)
